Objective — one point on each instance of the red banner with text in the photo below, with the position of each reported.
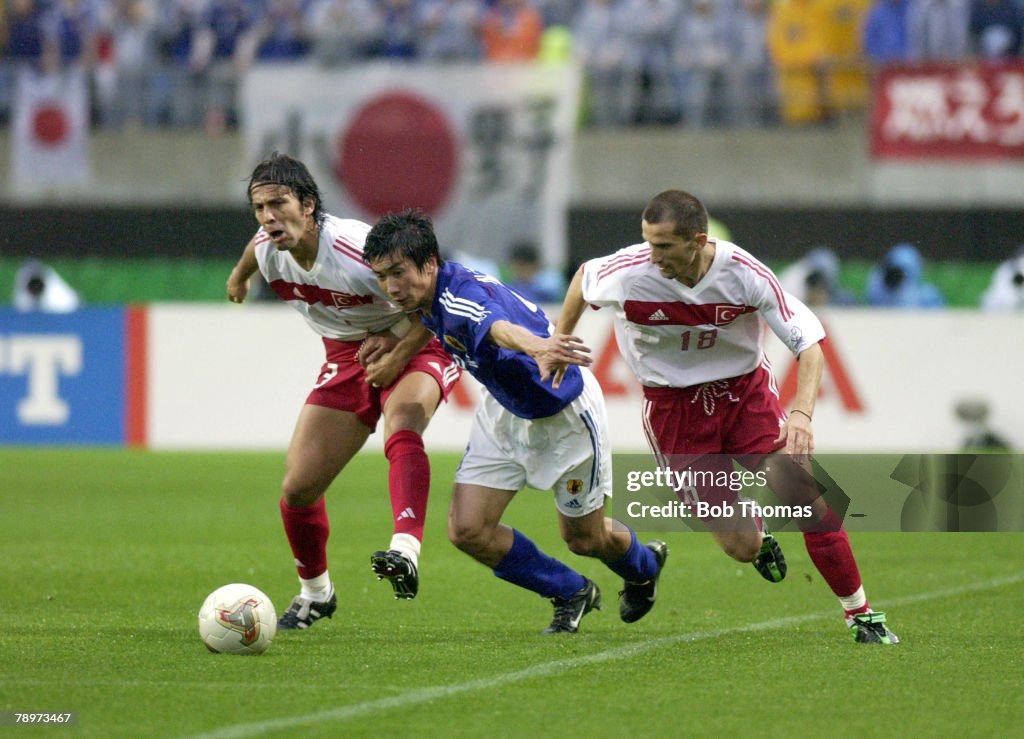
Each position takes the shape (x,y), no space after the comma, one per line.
(948,111)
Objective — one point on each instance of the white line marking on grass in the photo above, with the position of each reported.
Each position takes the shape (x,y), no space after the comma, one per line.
(425,695)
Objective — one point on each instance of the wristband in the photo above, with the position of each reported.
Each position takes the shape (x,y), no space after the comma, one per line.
(797,410)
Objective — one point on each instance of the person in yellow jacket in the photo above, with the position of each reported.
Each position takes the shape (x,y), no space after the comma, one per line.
(847,78)
(798,36)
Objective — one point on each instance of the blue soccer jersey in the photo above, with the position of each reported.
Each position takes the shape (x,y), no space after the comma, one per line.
(466,303)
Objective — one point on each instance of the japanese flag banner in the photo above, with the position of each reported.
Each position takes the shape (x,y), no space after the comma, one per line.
(938,111)
(50,137)
(485,150)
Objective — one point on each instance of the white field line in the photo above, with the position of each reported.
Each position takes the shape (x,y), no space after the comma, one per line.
(425,695)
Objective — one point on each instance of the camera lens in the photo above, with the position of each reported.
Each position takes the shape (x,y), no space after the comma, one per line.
(894,277)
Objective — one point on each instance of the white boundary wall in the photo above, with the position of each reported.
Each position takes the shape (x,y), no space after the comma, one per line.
(234,377)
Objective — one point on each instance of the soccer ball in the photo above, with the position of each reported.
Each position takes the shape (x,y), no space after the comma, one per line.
(237,619)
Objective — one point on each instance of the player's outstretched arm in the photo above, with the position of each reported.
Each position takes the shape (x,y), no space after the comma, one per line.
(573,305)
(797,431)
(238,280)
(549,352)
(572,310)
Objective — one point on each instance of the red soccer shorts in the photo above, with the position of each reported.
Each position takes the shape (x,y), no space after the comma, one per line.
(735,418)
(342,381)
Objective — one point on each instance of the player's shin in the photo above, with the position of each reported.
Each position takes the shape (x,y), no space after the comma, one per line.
(408,487)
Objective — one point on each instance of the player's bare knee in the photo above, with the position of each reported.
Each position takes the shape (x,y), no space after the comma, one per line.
(406,417)
(583,543)
(742,548)
(298,494)
(468,538)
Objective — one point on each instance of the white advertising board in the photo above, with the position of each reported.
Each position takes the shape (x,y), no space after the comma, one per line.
(234,377)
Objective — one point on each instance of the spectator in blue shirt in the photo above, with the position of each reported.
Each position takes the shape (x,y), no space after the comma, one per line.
(24,32)
(884,33)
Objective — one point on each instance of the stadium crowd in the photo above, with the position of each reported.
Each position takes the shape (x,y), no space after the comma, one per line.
(695,62)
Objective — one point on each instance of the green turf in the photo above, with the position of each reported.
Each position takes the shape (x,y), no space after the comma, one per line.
(107,556)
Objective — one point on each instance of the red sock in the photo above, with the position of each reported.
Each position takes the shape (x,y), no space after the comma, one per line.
(829,548)
(307,530)
(408,481)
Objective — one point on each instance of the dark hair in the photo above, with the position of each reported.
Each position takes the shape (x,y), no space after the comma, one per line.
(680,208)
(406,235)
(524,251)
(281,169)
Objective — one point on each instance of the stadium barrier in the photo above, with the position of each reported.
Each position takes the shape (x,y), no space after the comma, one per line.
(198,376)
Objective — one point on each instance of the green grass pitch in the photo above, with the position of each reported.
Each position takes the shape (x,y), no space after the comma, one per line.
(107,555)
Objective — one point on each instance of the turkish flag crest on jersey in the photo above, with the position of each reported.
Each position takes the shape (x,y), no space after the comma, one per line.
(726,314)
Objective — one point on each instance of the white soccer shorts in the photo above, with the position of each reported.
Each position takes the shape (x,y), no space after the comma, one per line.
(568,453)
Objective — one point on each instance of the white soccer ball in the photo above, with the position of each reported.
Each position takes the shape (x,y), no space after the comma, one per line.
(237,619)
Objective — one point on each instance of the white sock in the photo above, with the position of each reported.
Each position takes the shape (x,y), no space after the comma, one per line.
(758,521)
(855,601)
(408,545)
(317,588)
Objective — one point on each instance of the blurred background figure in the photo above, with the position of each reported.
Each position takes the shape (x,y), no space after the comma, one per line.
(995,29)
(751,74)
(70,29)
(937,30)
(283,31)
(448,30)
(1006,290)
(558,12)
(134,50)
(510,31)
(701,53)
(646,27)
(38,288)
(602,51)
(399,37)
(483,265)
(24,37)
(973,413)
(343,31)
(529,279)
(224,46)
(898,281)
(846,73)
(184,48)
(815,279)
(798,35)
(884,33)
(21,45)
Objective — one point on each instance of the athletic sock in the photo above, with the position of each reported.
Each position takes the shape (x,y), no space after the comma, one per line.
(318,588)
(307,530)
(408,482)
(758,521)
(528,567)
(829,549)
(637,564)
(408,545)
(856,602)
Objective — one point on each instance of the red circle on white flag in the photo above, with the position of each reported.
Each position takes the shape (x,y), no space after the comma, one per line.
(398,151)
(50,125)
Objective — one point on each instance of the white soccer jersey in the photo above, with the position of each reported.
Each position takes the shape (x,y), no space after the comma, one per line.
(339,297)
(672,335)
